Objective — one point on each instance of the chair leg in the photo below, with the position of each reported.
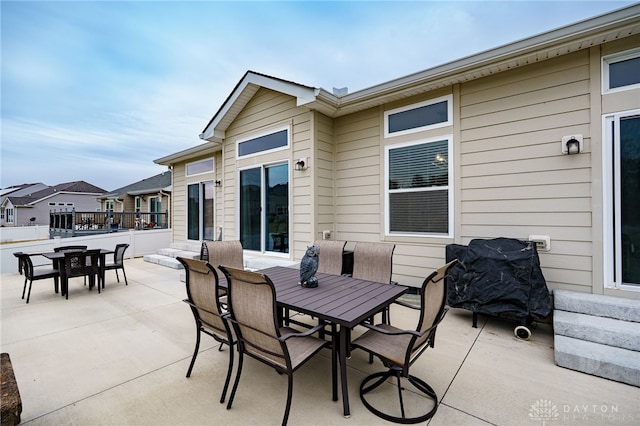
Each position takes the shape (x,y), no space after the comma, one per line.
(29,293)
(415,381)
(125,276)
(24,287)
(117,277)
(228,379)
(289,396)
(195,352)
(237,380)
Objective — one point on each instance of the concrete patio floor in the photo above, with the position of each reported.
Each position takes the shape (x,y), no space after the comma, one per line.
(120,358)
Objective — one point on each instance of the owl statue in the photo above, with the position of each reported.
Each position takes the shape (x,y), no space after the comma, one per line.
(309,266)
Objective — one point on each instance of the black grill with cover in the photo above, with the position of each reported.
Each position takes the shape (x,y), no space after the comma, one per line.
(499,277)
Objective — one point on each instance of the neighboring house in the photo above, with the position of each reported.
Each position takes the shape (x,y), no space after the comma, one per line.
(528,139)
(16,191)
(31,204)
(148,195)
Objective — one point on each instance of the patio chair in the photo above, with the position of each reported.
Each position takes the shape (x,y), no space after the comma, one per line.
(254,315)
(374,262)
(81,264)
(118,262)
(66,249)
(226,253)
(330,258)
(210,318)
(32,274)
(399,349)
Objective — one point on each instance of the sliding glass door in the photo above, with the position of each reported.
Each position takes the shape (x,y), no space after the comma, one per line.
(264,208)
(622,170)
(200,213)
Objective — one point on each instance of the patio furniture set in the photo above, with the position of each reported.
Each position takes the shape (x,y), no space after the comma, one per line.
(251,312)
(69,262)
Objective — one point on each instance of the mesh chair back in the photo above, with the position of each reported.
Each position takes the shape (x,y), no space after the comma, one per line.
(373,261)
(81,263)
(225,253)
(202,288)
(118,255)
(27,265)
(330,257)
(434,299)
(252,302)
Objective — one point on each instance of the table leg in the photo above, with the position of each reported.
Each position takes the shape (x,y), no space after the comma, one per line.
(102,270)
(342,348)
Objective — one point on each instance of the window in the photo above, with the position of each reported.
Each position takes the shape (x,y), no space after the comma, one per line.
(621,156)
(264,208)
(200,211)
(621,71)
(264,143)
(417,117)
(199,167)
(9,213)
(108,205)
(52,204)
(2,213)
(419,198)
(138,204)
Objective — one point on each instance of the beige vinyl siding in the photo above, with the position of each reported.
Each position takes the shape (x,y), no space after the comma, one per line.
(179,203)
(358,182)
(266,110)
(513,180)
(324,171)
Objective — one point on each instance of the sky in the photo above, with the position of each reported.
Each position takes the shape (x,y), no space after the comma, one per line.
(97,90)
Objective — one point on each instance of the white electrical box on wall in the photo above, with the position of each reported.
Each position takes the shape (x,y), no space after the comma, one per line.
(543,242)
(326,235)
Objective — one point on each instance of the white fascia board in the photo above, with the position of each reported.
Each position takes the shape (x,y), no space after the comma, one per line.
(303,95)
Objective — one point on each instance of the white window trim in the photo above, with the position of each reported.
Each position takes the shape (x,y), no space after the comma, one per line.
(271,130)
(213,169)
(450,188)
(263,207)
(611,59)
(449,122)
(611,264)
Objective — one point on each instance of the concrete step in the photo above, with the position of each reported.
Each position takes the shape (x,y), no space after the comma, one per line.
(175,253)
(159,259)
(622,365)
(598,305)
(187,246)
(606,331)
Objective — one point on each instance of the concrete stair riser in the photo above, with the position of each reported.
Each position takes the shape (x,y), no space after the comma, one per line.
(607,331)
(621,365)
(601,306)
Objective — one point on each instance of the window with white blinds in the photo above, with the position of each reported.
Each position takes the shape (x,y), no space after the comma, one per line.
(418,188)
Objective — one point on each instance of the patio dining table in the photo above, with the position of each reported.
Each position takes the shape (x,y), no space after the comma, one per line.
(341,300)
(58,263)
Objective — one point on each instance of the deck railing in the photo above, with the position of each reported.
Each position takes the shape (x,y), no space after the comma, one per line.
(72,223)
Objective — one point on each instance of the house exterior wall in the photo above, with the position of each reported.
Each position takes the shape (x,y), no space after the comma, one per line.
(63,201)
(270,109)
(514,181)
(510,177)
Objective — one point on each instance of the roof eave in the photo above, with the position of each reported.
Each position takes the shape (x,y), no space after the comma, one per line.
(193,152)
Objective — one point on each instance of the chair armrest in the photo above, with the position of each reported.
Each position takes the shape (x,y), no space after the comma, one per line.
(390,332)
(302,334)
(407,305)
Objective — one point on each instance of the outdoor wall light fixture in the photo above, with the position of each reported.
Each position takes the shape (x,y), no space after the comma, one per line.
(218,182)
(301,164)
(572,144)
